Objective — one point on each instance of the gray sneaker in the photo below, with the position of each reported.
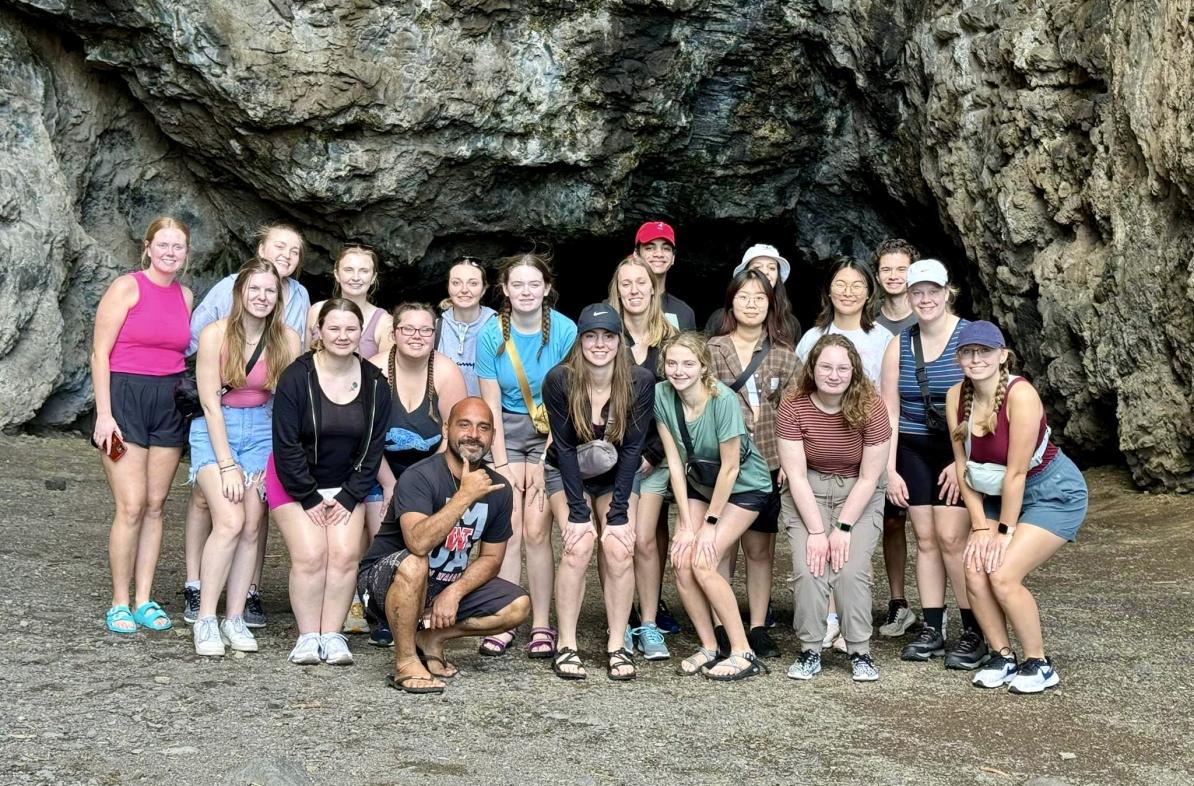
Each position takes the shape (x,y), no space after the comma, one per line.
(237,635)
(899,619)
(650,642)
(206,634)
(807,666)
(335,649)
(190,606)
(254,611)
(863,667)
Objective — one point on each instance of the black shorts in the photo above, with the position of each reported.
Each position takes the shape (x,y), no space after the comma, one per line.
(488,599)
(143,407)
(891,511)
(919,460)
(756,501)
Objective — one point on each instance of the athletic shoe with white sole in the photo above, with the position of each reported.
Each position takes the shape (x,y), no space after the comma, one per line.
(839,644)
(805,667)
(237,635)
(355,622)
(254,611)
(307,650)
(1035,675)
(863,667)
(190,605)
(998,672)
(927,644)
(206,634)
(335,649)
(968,653)
(650,642)
(899,619)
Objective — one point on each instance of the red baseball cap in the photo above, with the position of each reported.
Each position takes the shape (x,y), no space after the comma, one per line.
(654,230)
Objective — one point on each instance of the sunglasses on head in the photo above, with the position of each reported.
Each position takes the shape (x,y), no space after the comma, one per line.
(471,261)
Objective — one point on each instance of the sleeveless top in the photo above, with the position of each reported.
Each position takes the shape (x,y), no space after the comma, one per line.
(992,448)
(254,393)
(944,373)
(369,346)
(150,341)
(415,435)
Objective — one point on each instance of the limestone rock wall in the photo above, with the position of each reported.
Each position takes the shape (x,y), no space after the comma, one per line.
(1044,147)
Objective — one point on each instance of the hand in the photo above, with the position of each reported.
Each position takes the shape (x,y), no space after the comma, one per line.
(317,515)
(105,427)
(780,479)
(573,533)
(443,610)
(897,489)
(975,556)
(476,484)
(645,467)
(705,547)
(618,533)
(816,553)
(682,543)
(839,549)
(334,513)
(232,481)
(996,550)
(537,486)
(948,481)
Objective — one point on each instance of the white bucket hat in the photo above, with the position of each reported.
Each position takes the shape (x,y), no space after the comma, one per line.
(764,250)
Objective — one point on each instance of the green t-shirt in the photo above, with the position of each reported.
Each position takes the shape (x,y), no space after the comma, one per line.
(721,420)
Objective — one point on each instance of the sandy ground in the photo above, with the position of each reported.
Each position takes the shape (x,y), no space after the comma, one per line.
(84,706)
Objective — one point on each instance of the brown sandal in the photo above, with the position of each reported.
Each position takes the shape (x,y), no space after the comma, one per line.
(619,659)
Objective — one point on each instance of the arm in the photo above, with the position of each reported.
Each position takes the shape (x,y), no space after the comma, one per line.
(795,465)
(290,458)
(449,385)
(480,569)
(630,452)
(492,393)
(972,499)
(889,390)
(357,486)
(422,532)
(114,307)
(677,477)
(730,451)
(563,436)
(207,378)
(383,334)
(294,345)
(215,305)
(1024,411)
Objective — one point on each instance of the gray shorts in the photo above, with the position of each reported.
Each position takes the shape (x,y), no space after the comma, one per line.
(486,600)
(523,443)
(595,487)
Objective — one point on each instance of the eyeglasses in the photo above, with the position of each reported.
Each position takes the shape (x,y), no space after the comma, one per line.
(408,330)
(976,353)
(750,300)
(841,288)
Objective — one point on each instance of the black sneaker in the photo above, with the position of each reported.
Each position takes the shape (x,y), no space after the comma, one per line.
(635,620)
(928,643)
(761,642)
(968,653)
(254,611)
(380,636)
(723,641)
(190,610)
(665,621)
(770,620)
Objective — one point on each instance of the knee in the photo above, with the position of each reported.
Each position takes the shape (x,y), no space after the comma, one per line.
(229,524)
(154,506)
(684,575)
(706,574)
(131,511)
(413,568)
(518,610)
(926,547)
(951,543)
(578,558)
(536,536)
(646,547)
(757,550)
(1002,584)
(618,561)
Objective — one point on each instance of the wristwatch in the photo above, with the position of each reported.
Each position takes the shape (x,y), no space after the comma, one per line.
(1004,529)
(711,519)
(844,527)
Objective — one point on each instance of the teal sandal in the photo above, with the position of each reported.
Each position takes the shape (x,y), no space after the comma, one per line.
(120,620)
(150,615)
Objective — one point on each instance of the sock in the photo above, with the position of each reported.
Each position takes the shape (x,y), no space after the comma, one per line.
(899,602)
(831,618)
(969,621)
(192,585)
(934,616)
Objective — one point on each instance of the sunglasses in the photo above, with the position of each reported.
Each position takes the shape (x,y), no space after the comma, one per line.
(470,261)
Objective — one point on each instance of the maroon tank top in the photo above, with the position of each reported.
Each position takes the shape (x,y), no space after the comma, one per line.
(992,448)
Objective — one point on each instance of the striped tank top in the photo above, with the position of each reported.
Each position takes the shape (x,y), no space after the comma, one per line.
(944,373)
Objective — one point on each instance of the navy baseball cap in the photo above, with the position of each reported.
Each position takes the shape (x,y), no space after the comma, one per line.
(982,333)
(599,316)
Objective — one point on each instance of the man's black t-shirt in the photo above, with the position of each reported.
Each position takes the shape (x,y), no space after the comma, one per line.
(425,487)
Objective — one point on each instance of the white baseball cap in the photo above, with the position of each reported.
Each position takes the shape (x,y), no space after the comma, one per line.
(929,270)
(764,250)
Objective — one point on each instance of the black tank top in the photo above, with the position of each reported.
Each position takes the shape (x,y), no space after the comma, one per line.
(339,436)
(415,435)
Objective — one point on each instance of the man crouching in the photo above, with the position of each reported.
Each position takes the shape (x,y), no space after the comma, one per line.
(419,562)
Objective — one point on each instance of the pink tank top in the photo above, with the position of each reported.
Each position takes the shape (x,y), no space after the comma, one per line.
(156,332)
(992,448)
(369,347)
(254,393)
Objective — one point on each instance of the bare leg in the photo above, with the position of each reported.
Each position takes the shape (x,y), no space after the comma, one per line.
(343,556)
(951,527)
(759,548)
(617,566)
(244,561)
(733,523)
(1030,548)
(930,571)
(648,562)
(198,527)
(405,601)
(511,569)
(536,533)
(570,578)
(128,480)
(227,524)
(161,466)
(895,554)
(308,548)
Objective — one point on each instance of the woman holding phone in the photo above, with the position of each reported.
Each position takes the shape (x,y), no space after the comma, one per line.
(142,329)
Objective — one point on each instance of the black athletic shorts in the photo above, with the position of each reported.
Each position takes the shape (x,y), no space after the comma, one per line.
(143,407)
(375,580)
(919,460)
(747,500)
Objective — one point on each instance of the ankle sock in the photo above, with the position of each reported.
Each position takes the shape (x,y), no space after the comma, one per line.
(832,618)
(969,621)
(900,602)
(934,617)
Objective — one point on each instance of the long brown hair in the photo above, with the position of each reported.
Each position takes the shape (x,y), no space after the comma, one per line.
(991,422)
(866,318)
(698,344)
(542,263)
(160,223)
(776,328)
(276,351)
(658,328)
(860,396)
(621,396)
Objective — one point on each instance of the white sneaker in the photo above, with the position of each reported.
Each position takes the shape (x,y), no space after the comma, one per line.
(997,673)
(206,633)
(307,650)
(1035,675)
(355,621)
(237,635)
(833,630)
(335,649)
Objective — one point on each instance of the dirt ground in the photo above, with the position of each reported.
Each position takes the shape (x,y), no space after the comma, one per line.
(88,707)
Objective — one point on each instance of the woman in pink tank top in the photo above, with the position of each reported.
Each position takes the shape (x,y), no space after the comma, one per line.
(1025,498)
(356,277)
(142,328)
(239,361)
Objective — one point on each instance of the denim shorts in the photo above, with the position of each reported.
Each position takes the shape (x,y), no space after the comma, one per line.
(1054,499)
(250,438)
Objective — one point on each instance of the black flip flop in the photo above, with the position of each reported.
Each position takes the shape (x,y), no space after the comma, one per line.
(755,668)
(399,683)
(566,656)
(429,659)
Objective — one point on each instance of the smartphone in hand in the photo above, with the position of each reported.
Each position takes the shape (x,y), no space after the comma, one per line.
(116,448)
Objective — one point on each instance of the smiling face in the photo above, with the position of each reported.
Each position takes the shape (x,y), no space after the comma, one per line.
(659,254)
(355,273)
(469,430)
(525,288)
(750,304)
(284,248)
(167,251)
(929,301)
(768,266)
(635,289)
(261,294)
(893,273)
(340,332)
(599,347)
(848,292)
(832,371)
(465,285)
(414,333)
(979,362)
(682,367)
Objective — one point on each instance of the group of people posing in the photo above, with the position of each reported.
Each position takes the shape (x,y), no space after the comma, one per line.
(386,446)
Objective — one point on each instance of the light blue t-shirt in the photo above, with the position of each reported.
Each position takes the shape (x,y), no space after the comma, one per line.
(217,304)
(536,364)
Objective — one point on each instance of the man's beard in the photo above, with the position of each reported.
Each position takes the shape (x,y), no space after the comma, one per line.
(470,452)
